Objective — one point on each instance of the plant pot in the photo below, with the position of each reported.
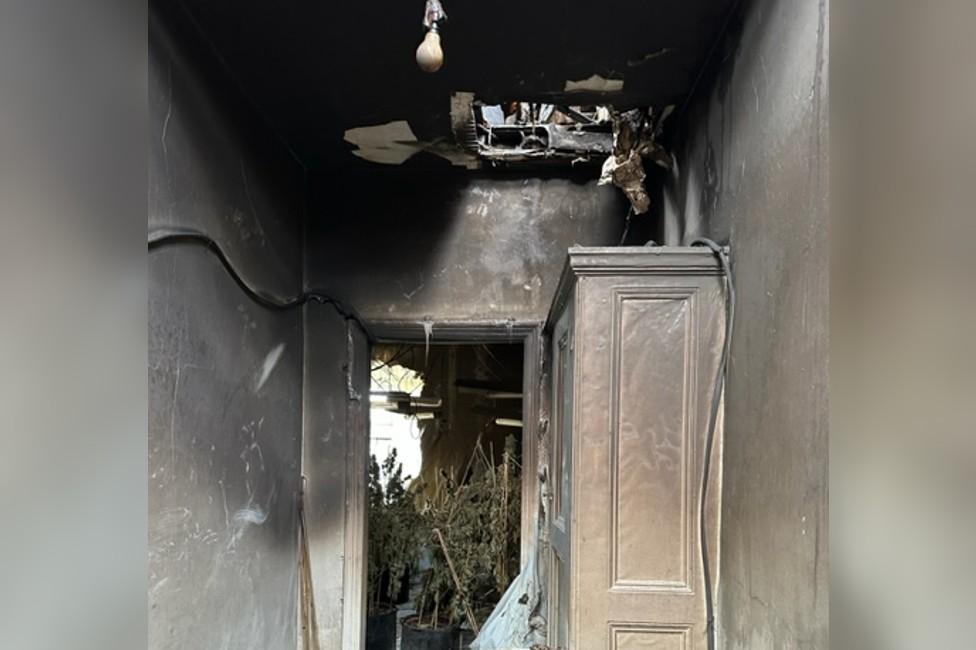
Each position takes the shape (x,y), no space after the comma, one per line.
(381,630)
(465,637)
(422,638)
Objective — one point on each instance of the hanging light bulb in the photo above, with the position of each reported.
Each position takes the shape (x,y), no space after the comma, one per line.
(430,56)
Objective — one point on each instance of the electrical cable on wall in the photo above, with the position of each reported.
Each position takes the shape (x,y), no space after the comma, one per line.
(173,237)
(722,253)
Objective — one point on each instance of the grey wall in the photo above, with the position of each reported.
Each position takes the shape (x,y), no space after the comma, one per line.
(336,425)
(216,166)
(404,244)
(225,374)
(752,157)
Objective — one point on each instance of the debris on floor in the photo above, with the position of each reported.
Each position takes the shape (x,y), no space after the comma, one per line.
(515,622)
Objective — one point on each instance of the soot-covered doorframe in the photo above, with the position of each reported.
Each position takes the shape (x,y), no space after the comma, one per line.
(529,334)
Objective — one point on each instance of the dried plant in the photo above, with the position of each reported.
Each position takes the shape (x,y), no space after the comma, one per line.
(395,531)
(480,522)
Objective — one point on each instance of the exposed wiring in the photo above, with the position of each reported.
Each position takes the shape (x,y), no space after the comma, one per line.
(623,236)
(723,257)
(173,237)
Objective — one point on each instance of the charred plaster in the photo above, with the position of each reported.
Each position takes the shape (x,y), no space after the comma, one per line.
(224,373)
(438,243)
(214,166)
(315,70)
(453,245)
(751,154)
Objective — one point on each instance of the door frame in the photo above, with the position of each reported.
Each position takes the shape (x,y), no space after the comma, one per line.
(530,335)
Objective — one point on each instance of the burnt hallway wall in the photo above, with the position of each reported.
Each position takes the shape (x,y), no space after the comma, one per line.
(404,244)
(751,151)
(225,374)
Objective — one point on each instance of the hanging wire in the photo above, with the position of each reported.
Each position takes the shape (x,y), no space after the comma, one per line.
(623,237)
(720,376)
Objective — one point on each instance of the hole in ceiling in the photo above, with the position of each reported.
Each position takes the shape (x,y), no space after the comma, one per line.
(521,131)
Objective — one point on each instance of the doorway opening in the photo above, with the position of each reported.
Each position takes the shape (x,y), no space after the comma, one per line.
(445,485)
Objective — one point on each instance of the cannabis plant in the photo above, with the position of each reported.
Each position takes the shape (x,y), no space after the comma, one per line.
(395,531)
(474,527)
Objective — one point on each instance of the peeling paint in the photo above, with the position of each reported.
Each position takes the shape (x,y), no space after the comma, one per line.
(595,83)
(391,143)
(394,143)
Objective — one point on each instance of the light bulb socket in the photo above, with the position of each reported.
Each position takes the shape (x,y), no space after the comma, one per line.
(433,14)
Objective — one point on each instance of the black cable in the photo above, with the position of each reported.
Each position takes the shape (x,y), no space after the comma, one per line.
(623,237)
(173,237)
(723,257)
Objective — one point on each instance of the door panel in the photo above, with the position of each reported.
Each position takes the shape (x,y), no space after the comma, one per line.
(646,350)
(650,445)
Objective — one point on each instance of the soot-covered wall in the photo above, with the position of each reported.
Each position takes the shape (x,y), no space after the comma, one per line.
(225,374)
(405,244)
(751,153)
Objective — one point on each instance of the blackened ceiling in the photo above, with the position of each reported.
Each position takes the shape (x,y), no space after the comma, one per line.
(315,69)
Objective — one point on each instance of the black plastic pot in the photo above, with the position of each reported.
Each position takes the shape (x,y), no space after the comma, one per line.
(381,630)
(416,638)
(465,637)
